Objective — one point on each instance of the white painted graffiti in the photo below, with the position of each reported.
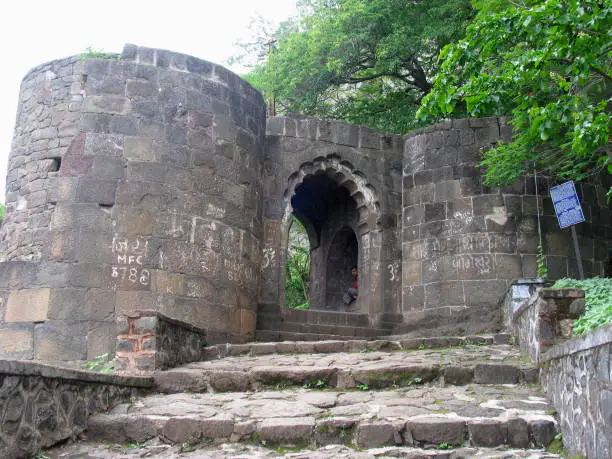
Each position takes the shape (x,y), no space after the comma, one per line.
(134,275)
(130,254)
(393,271)
(481,263)
(269,257)
(238,272)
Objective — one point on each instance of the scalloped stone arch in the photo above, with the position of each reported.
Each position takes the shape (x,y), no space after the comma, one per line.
(346,176)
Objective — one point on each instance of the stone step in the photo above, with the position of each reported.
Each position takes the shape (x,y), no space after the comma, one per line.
(255,367)
(160,449)
(316,343)
(283,335)
(508,416)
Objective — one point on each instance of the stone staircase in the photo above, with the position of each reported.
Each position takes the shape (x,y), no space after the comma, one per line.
(417,398)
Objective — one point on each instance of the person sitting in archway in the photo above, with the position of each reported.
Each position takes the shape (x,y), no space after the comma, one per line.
(352,292)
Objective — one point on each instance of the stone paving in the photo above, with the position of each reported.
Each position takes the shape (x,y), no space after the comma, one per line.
(88,450)
(380,400)
(258,368)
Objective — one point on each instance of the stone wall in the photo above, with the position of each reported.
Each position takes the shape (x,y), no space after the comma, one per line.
(133,184)
(575,372)
(42,405)
(464,243)
(577,377)
(149,341)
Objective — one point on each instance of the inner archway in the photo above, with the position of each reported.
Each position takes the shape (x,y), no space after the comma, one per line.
(330,213)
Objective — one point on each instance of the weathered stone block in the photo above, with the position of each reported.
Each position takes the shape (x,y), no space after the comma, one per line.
(508,266)
(370,435)
(98,191)
(17,341)
(443,294)
(140,149)
(496,374)
(488,433)
(437,430)
(60,339)
(287,430)
(28,306)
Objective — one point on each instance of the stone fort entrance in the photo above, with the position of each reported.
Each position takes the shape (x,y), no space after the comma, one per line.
(156,182)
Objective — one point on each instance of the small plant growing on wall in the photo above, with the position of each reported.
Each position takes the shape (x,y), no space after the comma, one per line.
(93,53)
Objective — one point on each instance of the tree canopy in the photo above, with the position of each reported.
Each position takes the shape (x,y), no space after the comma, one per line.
(394,65)
(368,62)
(548,66)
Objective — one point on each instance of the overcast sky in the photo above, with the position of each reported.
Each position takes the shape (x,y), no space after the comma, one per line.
(33,32)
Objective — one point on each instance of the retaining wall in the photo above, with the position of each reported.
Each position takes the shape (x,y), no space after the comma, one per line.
(575,372)
(42,405)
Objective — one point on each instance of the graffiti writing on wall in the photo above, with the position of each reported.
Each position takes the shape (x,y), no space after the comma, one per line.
(269,258)
(129,257)
(239,273)
(481,263)
(393,271)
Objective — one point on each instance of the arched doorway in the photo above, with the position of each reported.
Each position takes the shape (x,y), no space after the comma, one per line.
(330,213)
(340,211)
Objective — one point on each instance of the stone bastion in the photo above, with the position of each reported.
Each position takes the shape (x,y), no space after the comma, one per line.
(155,182)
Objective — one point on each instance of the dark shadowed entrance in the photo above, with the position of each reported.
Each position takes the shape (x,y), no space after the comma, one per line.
(330,215)
(341,257)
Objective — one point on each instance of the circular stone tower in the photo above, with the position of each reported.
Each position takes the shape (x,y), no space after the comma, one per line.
(134,184)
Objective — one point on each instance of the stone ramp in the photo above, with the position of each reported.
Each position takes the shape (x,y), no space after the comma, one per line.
(278,365)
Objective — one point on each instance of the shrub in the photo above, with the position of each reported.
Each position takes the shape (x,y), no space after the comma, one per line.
(598,302)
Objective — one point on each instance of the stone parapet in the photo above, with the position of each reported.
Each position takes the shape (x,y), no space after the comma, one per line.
(576,372)
(41,405)
(546,319)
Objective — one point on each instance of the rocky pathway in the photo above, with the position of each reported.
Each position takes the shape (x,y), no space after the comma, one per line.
(381,400)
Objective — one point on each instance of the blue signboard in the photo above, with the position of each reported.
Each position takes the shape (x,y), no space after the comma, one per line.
(567,204)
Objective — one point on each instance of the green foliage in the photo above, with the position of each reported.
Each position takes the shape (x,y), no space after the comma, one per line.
(297,268)
(319,384)
(40,454)
(444,445)
(542,269)
(363,387)
(134,445)
(1,211)
(547,65)
(598,302)
(362,61)
(102,364)
(93,53)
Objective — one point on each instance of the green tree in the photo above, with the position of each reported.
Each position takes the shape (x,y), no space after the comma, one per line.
(362,61)
(297,267)
(547,64)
